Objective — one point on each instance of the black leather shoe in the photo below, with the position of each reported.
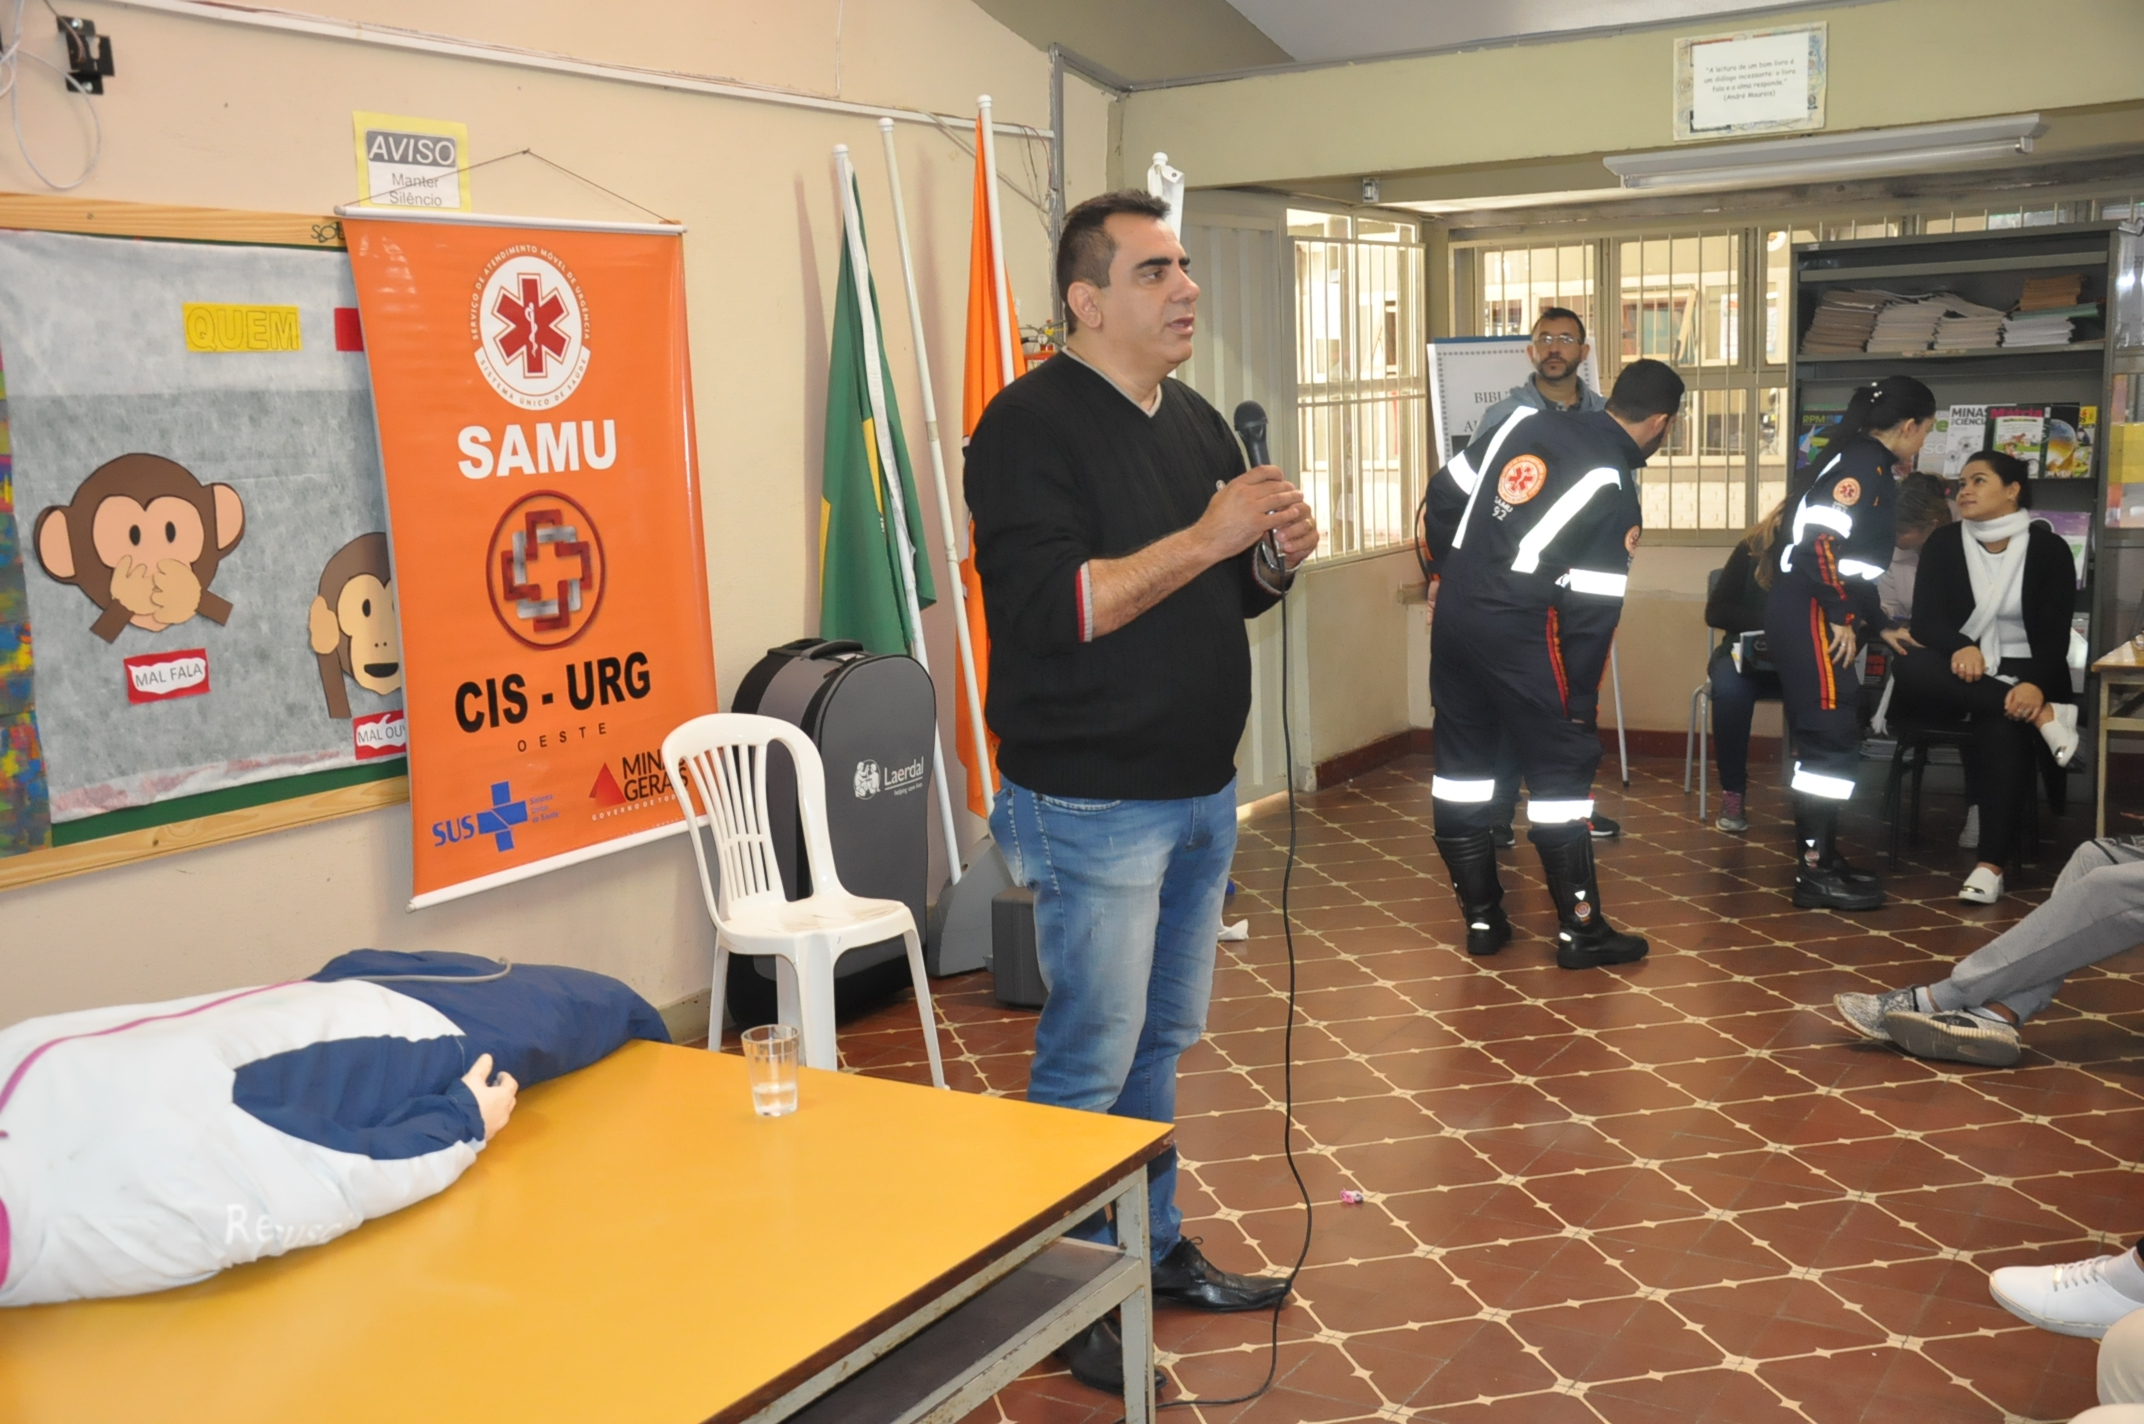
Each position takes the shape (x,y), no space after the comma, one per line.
(1602,828)
(1490,933)
(1186,1277)
(1596,945)
(1823,887)
(1096,1357)
(1867,880)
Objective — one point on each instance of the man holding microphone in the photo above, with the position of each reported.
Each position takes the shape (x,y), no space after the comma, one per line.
(1117,534)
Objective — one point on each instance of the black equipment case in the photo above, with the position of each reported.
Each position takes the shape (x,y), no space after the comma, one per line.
(874,719)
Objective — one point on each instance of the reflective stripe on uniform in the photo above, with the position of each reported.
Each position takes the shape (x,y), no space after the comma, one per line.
(1856,568)
(1557,813)
(1445,788)
(1562,512)
(1591,581)
(1836,520)
(1815,783)
(1463,474)
(1488,462)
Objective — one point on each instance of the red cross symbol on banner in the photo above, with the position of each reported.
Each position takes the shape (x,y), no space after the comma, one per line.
(531,325)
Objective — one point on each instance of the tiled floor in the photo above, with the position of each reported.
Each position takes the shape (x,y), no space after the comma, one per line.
(1675,1193)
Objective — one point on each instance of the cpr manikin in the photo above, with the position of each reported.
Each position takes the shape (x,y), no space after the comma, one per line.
(150,1146)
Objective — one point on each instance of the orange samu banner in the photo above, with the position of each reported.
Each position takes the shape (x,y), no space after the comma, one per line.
(534,400)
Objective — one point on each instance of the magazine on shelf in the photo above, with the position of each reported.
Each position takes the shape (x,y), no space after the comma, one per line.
(2020,431)
(1963,429)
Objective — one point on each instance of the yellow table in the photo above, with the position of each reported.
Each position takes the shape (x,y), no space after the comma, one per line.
(637,1245)
(2119,668)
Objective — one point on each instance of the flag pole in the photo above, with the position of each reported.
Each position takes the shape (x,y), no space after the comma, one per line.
(959,586)
(890,473)
(1001,295)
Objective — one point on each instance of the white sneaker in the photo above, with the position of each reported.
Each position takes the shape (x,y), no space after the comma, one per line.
(1969,838)
(2071,1299)
(1982,887)
(2060,732)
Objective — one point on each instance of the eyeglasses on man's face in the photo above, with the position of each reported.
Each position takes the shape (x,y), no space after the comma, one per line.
(1555,338)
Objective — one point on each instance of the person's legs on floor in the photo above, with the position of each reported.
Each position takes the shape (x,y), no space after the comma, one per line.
(2095,912)
(1734,706)
(1820,698)
(1504,808)
(1471,737)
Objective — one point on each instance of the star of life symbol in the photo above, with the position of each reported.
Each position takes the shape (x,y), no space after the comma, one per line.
(531,325)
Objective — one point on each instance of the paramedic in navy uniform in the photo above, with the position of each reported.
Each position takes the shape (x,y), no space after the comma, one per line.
(1824,607)
(1532,528)
(1116,533)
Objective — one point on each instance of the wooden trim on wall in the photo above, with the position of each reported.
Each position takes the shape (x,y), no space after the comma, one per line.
(153,841)
(44,212)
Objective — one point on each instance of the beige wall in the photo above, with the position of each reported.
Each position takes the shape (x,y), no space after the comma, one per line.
(214,114)
(1356,652)
(1482,106)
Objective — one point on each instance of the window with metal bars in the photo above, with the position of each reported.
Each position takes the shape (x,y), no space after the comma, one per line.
(1362,393)
(1711,300)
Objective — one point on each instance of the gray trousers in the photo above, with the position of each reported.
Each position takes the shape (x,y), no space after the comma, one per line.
(2095,912)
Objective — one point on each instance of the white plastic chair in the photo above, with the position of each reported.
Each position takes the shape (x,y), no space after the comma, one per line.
(725,757)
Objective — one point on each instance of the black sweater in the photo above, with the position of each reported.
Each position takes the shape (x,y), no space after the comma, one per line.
(1736,602)
(1064,468)
(1943,601)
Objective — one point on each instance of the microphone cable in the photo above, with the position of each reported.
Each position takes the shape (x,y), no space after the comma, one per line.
(1287,1057)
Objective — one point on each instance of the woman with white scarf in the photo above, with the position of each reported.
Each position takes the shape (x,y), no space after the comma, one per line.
(1990,642)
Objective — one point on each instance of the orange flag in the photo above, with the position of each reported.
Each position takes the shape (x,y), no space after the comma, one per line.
(986,376)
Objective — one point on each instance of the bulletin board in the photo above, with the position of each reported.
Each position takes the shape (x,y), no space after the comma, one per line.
(321,733)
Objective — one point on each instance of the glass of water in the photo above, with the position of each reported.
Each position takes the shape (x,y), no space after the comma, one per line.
(770,1058)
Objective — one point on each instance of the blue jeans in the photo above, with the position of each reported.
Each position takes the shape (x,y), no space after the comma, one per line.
(1734,705)
(1127,911)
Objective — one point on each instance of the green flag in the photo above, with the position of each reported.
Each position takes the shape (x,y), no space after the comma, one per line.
(860,593)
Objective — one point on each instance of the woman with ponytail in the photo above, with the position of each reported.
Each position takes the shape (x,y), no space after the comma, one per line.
(1823,606)
(1991,629)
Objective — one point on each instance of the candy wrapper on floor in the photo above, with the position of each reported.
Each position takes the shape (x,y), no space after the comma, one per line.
(153,1145)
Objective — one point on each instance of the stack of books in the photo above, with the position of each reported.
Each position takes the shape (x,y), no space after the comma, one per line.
(1908,325)
(2044,328)
(2047,293)
(1843,322)
(1967,326)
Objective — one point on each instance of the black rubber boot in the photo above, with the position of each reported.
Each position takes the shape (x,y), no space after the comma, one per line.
(1822,878)
(1584,938)
(1471,859)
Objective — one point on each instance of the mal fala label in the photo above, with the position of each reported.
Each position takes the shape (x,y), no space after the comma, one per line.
(159,677)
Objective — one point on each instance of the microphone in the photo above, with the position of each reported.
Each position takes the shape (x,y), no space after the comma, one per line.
(1251,430)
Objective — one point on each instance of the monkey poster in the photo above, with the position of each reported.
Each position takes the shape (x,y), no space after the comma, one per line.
(199,517)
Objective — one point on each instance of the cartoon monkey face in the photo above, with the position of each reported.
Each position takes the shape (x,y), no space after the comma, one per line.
(371,639)
(142,539)
(352,627)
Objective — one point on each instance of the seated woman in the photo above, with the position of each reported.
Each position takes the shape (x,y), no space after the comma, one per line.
(1990,642)
(1922,510)
(1735,607)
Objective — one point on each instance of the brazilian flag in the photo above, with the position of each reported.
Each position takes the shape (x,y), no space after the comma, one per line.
(860,593)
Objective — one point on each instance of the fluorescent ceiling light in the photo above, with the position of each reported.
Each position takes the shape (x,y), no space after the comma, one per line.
(1866,153)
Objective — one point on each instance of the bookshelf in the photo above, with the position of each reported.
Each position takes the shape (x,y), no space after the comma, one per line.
(1991,269)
